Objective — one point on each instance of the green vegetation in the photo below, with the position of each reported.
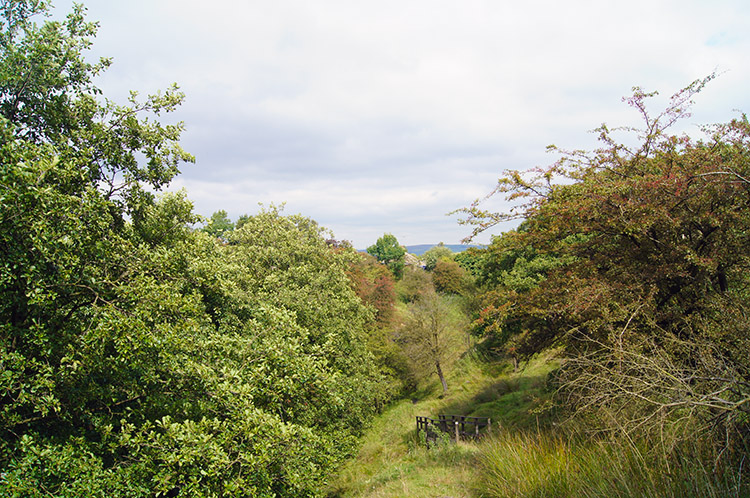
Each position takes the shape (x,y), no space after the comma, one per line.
(219,224)
(633,270)
(431,334)
(139,356)
(388,251)
(543,465)
(606,337)
(638,267)
(435,254)
(393,462)
(630,261)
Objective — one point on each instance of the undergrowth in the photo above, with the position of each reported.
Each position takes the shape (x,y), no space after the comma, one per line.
(527,454)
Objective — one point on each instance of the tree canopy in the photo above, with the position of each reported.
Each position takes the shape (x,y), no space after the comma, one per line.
(219,224)
(435,254)
(140,357)
(634,259)
(388,251)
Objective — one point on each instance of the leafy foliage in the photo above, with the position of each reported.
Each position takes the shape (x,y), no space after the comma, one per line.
(388,251)
(431,334)
(470,260)
(434,254)
(637,263)
(139,357)
(219,224)
(449,277)
(374,285)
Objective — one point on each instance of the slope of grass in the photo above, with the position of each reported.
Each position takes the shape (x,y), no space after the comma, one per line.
(525,456)
(393,463)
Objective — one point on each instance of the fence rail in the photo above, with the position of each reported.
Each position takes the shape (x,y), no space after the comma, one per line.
(457,427)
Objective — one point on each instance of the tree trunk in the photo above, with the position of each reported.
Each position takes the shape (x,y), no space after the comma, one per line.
(442,377)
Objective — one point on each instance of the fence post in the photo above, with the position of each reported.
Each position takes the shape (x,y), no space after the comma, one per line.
(455,425)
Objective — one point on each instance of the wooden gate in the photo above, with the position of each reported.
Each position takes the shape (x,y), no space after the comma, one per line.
(458,427)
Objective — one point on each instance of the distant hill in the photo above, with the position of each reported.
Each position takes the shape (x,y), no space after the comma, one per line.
(420,249)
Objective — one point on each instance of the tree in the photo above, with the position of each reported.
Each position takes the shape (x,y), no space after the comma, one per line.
(449,277)
(414,283)
(285,263)
(48,98)
(636,263)
(434,254)
(244,218)
(219,224)
(470,260)
(431,335)
(374,285)
(388,251)
(140,357)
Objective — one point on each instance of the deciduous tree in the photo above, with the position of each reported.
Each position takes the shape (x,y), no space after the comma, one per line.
(431,335)
(139,357)
(219,224)
(448,277)
(388,251)
(434,254)
(637,262)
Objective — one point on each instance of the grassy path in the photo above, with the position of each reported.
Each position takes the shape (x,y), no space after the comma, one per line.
(520,460)
(392,463)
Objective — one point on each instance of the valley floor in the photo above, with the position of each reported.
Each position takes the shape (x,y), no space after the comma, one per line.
(393,463)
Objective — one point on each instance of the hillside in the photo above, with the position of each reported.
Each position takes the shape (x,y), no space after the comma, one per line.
(420,249)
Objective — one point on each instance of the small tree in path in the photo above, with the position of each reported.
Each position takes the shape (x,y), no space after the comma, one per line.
(431,335)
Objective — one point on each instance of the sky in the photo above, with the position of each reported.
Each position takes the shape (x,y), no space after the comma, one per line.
(383,117)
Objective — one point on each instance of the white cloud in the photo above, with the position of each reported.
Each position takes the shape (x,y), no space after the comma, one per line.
(393,113)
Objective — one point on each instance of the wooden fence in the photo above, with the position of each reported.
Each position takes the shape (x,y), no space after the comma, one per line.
(457,427)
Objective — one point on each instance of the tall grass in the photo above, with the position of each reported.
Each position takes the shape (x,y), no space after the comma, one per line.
(542,465)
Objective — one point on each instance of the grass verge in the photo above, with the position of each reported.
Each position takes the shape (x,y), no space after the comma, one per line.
(537,465)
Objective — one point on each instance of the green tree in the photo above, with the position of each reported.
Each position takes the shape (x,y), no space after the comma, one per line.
(470,260)
(434,254)
(449,277)
(388,251)
(139,357)
(244,218)
(70,178)
(284,262)
(219,224)
(414,283)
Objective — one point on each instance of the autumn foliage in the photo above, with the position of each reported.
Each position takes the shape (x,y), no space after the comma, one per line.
(634,259)
(374,285)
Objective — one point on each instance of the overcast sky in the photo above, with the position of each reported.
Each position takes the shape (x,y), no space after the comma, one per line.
(374,117)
